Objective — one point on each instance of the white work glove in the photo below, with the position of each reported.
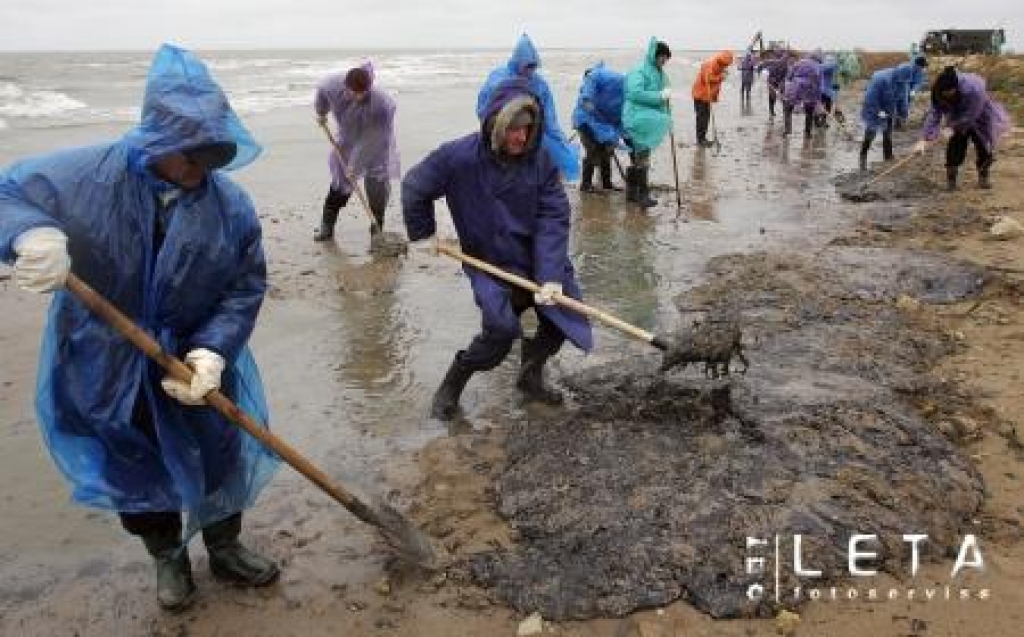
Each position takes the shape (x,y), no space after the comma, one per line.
(920,147)
(666,94)
(206,367)
(43,262)
(546,295)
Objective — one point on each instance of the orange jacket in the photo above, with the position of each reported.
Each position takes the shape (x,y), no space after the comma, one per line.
(709,79)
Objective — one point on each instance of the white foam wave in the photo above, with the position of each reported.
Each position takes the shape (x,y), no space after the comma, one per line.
(17,102)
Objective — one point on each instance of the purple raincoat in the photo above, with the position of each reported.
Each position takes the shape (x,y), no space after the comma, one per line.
(747,65)
(803,85)
(365,131)
(778,68)
(975,111)
(513,214)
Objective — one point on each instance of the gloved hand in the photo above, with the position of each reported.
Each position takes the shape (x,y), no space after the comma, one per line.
(546,295)
(666,94)
(207,367)
(43,262)
(920,147)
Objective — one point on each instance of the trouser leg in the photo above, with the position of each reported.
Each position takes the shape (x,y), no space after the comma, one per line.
(377,193)
(333,203)
(702,110)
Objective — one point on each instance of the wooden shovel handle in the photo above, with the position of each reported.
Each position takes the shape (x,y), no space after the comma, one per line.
(178,370)
(560,299)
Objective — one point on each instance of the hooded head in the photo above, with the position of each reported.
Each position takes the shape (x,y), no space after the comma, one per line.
(513,119)
(185,113)
(525,60)
(946,88)
(358,80)
(723,59)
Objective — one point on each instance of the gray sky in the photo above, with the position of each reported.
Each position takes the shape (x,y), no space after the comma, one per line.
(346,24)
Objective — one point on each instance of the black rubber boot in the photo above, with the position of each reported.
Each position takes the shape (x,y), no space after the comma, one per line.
(446,398)
(587,182)
(606,176)
(865,146)
(643,194)
(175,589)
(531,376)
(632,184)
(951,178)
(983,179)
(326,229)
(887,148)
(231,561)
(787,119)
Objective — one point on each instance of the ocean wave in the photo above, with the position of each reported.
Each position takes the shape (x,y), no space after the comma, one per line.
(16,102)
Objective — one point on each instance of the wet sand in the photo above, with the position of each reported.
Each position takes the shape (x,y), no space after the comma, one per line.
(351,349)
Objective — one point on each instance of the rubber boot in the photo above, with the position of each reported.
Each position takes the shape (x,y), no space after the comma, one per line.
(887,148)
(865,146)
(632,184)
(606,176)
(983,179)
(808,124)
(175,589)
(327,221)
(531,376)
(232,562)
(787,119)
(951,178)
(446,398)
(643,194)
(587,181)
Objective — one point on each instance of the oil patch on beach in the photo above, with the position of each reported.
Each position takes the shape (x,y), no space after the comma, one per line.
(645,491)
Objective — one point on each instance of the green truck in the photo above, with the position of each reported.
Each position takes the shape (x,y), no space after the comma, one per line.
(963,41)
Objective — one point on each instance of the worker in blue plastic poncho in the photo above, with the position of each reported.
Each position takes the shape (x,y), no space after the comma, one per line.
(151,224)
(525,63)
(598,118)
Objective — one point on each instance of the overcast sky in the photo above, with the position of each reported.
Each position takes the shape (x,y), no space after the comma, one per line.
(347,24)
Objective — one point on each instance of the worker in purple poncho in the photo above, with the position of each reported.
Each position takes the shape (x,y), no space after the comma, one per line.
(509,208)
(962,101)
(365,120)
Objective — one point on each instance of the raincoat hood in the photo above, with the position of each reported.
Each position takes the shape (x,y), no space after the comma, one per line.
(184,108)
(523,55)
(506,101)
(722,60)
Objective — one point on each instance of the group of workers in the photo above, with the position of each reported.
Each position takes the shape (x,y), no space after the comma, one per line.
(154,224)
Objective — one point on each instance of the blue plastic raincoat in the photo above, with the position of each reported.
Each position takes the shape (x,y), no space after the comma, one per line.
(565,155)
(201,288)
(883,96)
(599,105)
(645,115)
(911,78)
(513,214)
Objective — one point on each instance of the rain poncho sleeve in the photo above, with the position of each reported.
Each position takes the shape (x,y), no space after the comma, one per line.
(907,78)
(976,111)
(599,105)
(365,131)
(829,82)
(645,115)
(512,214)
(565,155)
(190,272)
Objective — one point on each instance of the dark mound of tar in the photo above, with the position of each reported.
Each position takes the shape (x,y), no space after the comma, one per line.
(646,491)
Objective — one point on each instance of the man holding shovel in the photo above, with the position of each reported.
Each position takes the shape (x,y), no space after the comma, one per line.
(365,144)
(152,224)
(509,208)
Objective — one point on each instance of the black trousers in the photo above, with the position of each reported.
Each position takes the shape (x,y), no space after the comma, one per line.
(377,193)
(490,347)
(773,95)
(956,150)
(702,110)
(596,155)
